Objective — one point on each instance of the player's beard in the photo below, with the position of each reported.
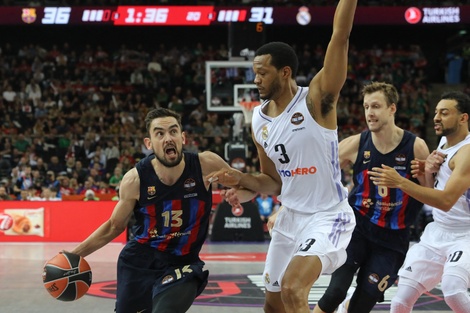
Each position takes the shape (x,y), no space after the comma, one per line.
(274,90)
(446,131)
(170,163)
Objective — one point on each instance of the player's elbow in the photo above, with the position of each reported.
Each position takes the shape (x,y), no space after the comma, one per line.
(446,204)
(116,228)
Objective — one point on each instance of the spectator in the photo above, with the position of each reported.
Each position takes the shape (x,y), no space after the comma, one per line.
(90,196)
(115,180)
(266,207)
(4,196)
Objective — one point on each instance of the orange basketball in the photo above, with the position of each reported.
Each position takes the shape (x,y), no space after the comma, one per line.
(67,276)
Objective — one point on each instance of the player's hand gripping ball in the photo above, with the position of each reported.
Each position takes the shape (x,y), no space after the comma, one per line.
(67,276)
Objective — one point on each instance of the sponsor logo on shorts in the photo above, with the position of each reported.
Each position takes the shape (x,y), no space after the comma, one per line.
(167,279)
(373,278)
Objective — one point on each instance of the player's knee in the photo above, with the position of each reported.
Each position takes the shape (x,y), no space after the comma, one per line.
(455,293)
(333,296)
(291,293)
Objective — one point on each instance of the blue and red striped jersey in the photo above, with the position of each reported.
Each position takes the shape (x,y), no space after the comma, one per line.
(173,219)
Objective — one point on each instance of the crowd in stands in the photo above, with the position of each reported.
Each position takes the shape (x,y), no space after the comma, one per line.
(72,117)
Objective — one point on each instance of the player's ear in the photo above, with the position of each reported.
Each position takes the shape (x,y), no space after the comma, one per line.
(183,135)
(286,72)
(148,143)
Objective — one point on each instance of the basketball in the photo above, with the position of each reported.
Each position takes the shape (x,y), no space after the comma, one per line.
(67,276)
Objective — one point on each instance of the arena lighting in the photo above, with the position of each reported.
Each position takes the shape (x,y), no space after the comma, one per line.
(301,16)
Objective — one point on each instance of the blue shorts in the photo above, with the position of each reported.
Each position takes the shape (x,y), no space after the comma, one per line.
(143,272)
(378,265)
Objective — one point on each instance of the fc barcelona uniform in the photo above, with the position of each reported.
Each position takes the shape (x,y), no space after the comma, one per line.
(170,229)
(383,215)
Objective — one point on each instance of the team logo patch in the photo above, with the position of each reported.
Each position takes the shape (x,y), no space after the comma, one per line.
(167,279)
(373,278)
(297,118)
(189,184)
(400,159)
(151,190)
(264,133)
(267,280)
(28,15)
(366,154)
(238,211)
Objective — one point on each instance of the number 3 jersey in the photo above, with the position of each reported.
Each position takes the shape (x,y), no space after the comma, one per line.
(305,155)
(173,219)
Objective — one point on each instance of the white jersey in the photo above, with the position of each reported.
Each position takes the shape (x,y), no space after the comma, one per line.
(459,216)
(305,155)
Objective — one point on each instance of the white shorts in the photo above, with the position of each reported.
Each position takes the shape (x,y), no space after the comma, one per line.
(438,252)
(324,234)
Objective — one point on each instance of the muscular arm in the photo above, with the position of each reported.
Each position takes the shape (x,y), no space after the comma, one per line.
(348,149)
(458,183)
(326,85)
(117,223)
(421,152)
(268,181)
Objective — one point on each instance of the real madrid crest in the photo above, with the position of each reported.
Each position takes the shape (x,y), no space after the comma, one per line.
(264,133)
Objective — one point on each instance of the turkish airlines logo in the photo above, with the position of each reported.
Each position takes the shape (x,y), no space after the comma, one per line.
(413,15)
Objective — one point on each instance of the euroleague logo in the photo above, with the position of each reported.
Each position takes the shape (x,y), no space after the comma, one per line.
(413,15)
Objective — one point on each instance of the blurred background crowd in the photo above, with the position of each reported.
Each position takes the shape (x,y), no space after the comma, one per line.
(73,113)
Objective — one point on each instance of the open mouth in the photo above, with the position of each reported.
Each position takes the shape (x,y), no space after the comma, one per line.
(171,151)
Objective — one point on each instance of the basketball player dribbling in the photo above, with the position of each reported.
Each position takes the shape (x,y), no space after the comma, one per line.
(160,270)
(295,132)
(443,253)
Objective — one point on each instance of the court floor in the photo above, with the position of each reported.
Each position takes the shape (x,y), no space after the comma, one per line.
(235,283)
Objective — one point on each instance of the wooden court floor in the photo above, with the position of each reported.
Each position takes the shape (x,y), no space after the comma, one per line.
(235,283)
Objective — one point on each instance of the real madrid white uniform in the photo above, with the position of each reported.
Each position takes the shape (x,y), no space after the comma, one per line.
(445,244)
(317,219)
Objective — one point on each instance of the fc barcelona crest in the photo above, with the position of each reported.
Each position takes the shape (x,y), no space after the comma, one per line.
(151,190)
(29,15)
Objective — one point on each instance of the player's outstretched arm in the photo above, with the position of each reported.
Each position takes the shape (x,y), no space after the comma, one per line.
(117,223)
(326,85)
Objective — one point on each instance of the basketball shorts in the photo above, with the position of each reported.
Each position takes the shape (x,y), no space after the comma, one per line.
(439,252)
(142,274)
(325,234)
(378,265)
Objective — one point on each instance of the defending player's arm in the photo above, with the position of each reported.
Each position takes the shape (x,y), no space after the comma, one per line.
(421,152)
(326,85)
(215,169)
(268,181)
(348,149)
(458,183)
(128,195)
